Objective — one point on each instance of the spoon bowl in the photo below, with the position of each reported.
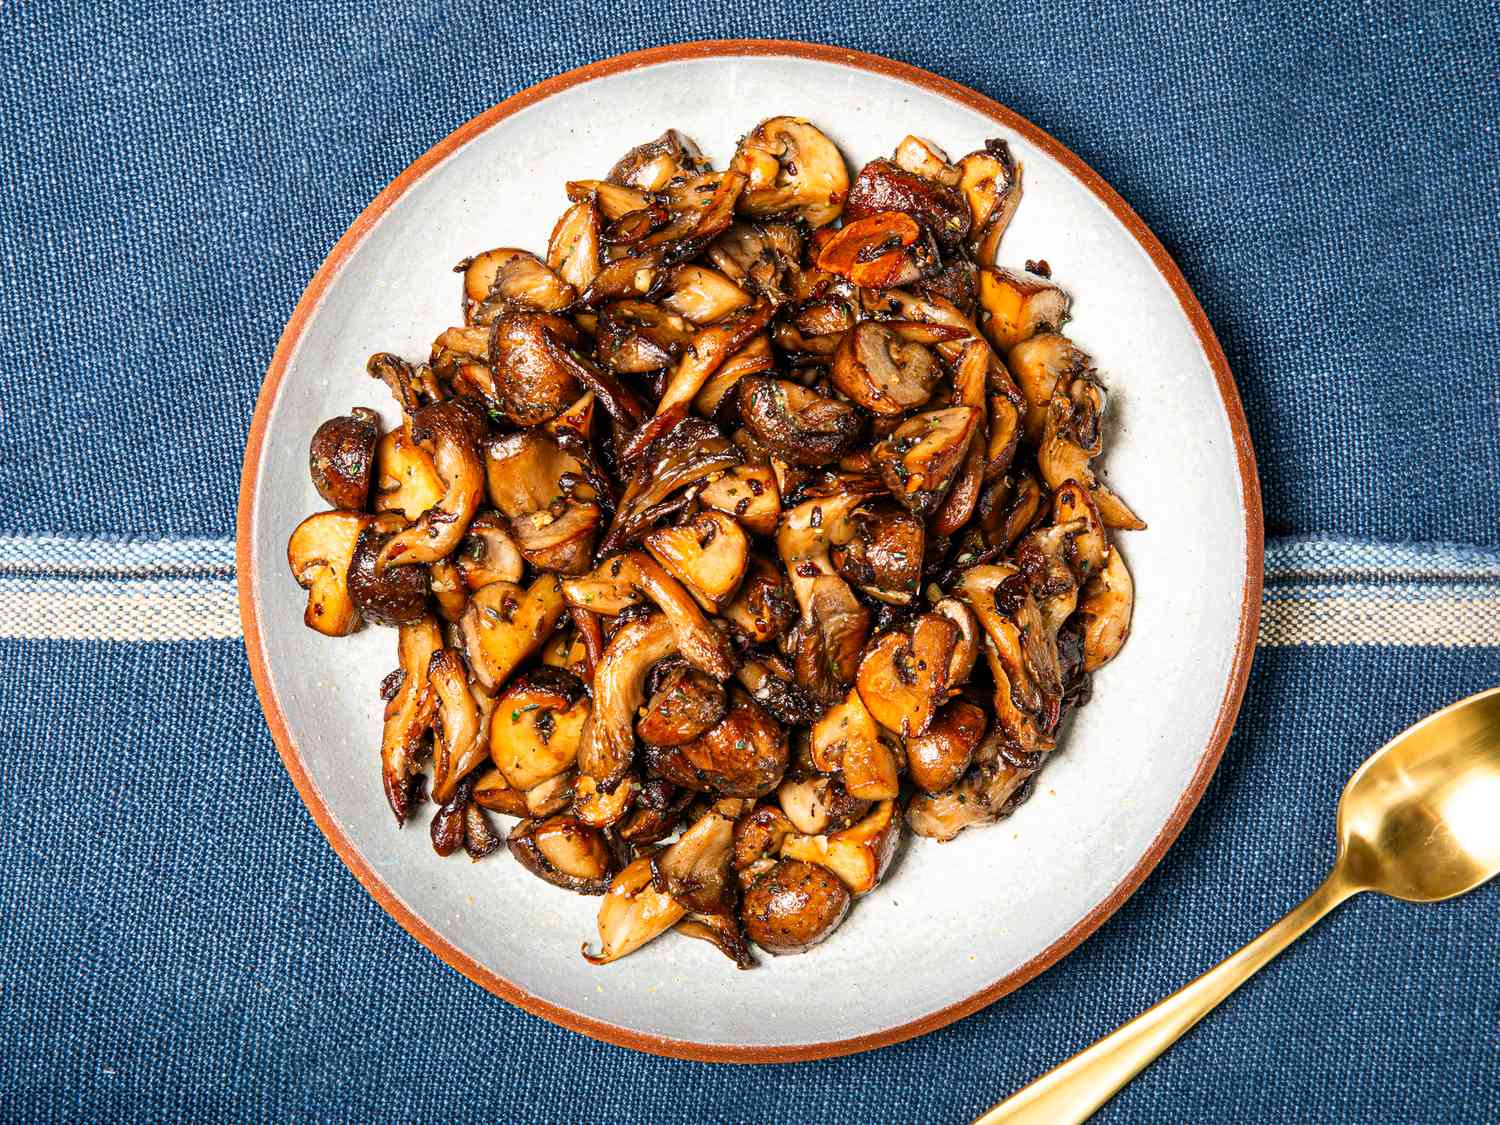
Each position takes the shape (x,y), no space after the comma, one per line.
(1420,820)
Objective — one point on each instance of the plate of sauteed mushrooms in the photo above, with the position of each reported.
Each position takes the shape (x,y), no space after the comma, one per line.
(749,551)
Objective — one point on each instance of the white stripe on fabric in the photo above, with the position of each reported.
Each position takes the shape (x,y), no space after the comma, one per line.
(1319,591)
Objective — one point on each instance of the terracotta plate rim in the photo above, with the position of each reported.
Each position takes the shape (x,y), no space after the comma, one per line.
(612,1033)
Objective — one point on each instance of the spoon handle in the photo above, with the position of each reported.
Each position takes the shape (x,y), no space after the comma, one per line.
(1069,1093)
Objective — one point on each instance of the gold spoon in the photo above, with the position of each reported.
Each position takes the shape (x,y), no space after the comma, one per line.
(1419,821)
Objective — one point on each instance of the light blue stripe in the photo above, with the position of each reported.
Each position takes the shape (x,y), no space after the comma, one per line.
(113,555)
(1333,557)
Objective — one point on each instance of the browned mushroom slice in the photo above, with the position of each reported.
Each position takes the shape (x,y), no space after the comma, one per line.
(1038,363)
(903,677)
(723,932)
(792,906)
(847,738)
(816,806)
(450,431)
(860,854)
(1014,513)
(462,357)
(801,425)
(573,251)
(504,625)
(656,812)
(884,186)
(598,808)
(989,791)
(702,295)
(461,733)
(747,493)
(446,585)
(752,359)
(708,556)
(636,336)
(341,458)
(562,543)
(536,484)
(685,704)
(991,182)
(653,165)
(492,792)
(633,912)
(691,452)
(1086,550)
(501,279)
(827,655)
(564,852)
(537,726)
(792,167)
(882,372)
(936,760)
(742,755)
(763,609)
(966,643)
(489,553)
(697,868)
(884,558)
(764,257)
(553,795)
(1105,608)
(921,157)
(758,836)
(408,714)
(1019,306)
(1022,654)
(405,479)
(881,251)
(970,380)
(397,596)
(1071,439)
(533,382)
(920,458)
(319,553)
(614,200)
(608,745)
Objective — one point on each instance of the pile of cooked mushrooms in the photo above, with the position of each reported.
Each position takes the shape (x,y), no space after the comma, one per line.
(695,529)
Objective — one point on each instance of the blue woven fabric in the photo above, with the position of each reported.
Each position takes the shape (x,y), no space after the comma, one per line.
(180,942)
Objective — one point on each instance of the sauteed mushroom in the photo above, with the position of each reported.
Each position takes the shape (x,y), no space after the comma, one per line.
(693,531)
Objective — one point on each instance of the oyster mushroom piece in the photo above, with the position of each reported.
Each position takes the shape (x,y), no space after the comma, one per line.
(880,251)
(882,372)
(691,452)
(492,792)
(1071,438)
(791,167)
(405,479)
(764,257)
(461,733)
(573,251)
(758,836)
(633,912)
(541,489)
(816,806)
(608,745)
(763,608)
(742,755)
(319,554)
(919,460)
(903,676)
(697,868)
(655,164)
(1105,608)
(966,644)
(702,295)
(1019,305)
(723,932)
(990,790)
(341,458)
(1085,550)
(560,543)
(553,795)
(537,726)
(936,760)
(884,557)
(408,714)
(793,906)
(450,431)
(505,625)
(1038,363)
(398,596)
(801,425)
(446,585)
(1021,652)
(488,553)
(564,852)
(638,336)
(533,380)
(885,186)
(749,494)
(707,555)
(506,278)
(991,182)
(921,157)
(461,357)
(847,738)
(752,359)
(860,854)
(615,200)
(969,386)
(684,705)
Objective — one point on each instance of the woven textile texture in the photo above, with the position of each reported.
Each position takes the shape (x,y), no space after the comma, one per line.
(180,943)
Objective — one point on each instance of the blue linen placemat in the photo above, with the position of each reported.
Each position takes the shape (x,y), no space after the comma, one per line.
(180,942)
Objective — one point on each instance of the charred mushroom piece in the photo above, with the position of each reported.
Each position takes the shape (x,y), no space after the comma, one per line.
(540,489)
(763,609)
(489,554)
(408,715)
(1106,606)
(638,336)
(1019,306)
(450,431)
(655,164)
(405,479)
(659,806)
(461,734)
(880,251)
(793,906)
(708,556)
(991,789)
(533,380)
(690,453)
(397,596)
(491,791)
(885,186)
(860,854)
(792,167)
(920,459)
(802,426)
(1038,363)
(937,759)
(764,257)
(754,358)
(749,494)
(608,745)
(564,852)
(903,676)
(1071,438)
(884,558)
(882,372)
(633,912)
(702,295)
(685,705)
(320,553)
(600,809)
(341,458)
(1022,654)
(573,251)
(848,739)
(723,932)
(816,806)
(553,795)
(991,182)
(501,279)
(504,625)
(770,684)
(743,755)
(697,868)
(537,726)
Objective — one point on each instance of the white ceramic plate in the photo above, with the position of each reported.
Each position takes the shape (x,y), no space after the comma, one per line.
(978,916)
